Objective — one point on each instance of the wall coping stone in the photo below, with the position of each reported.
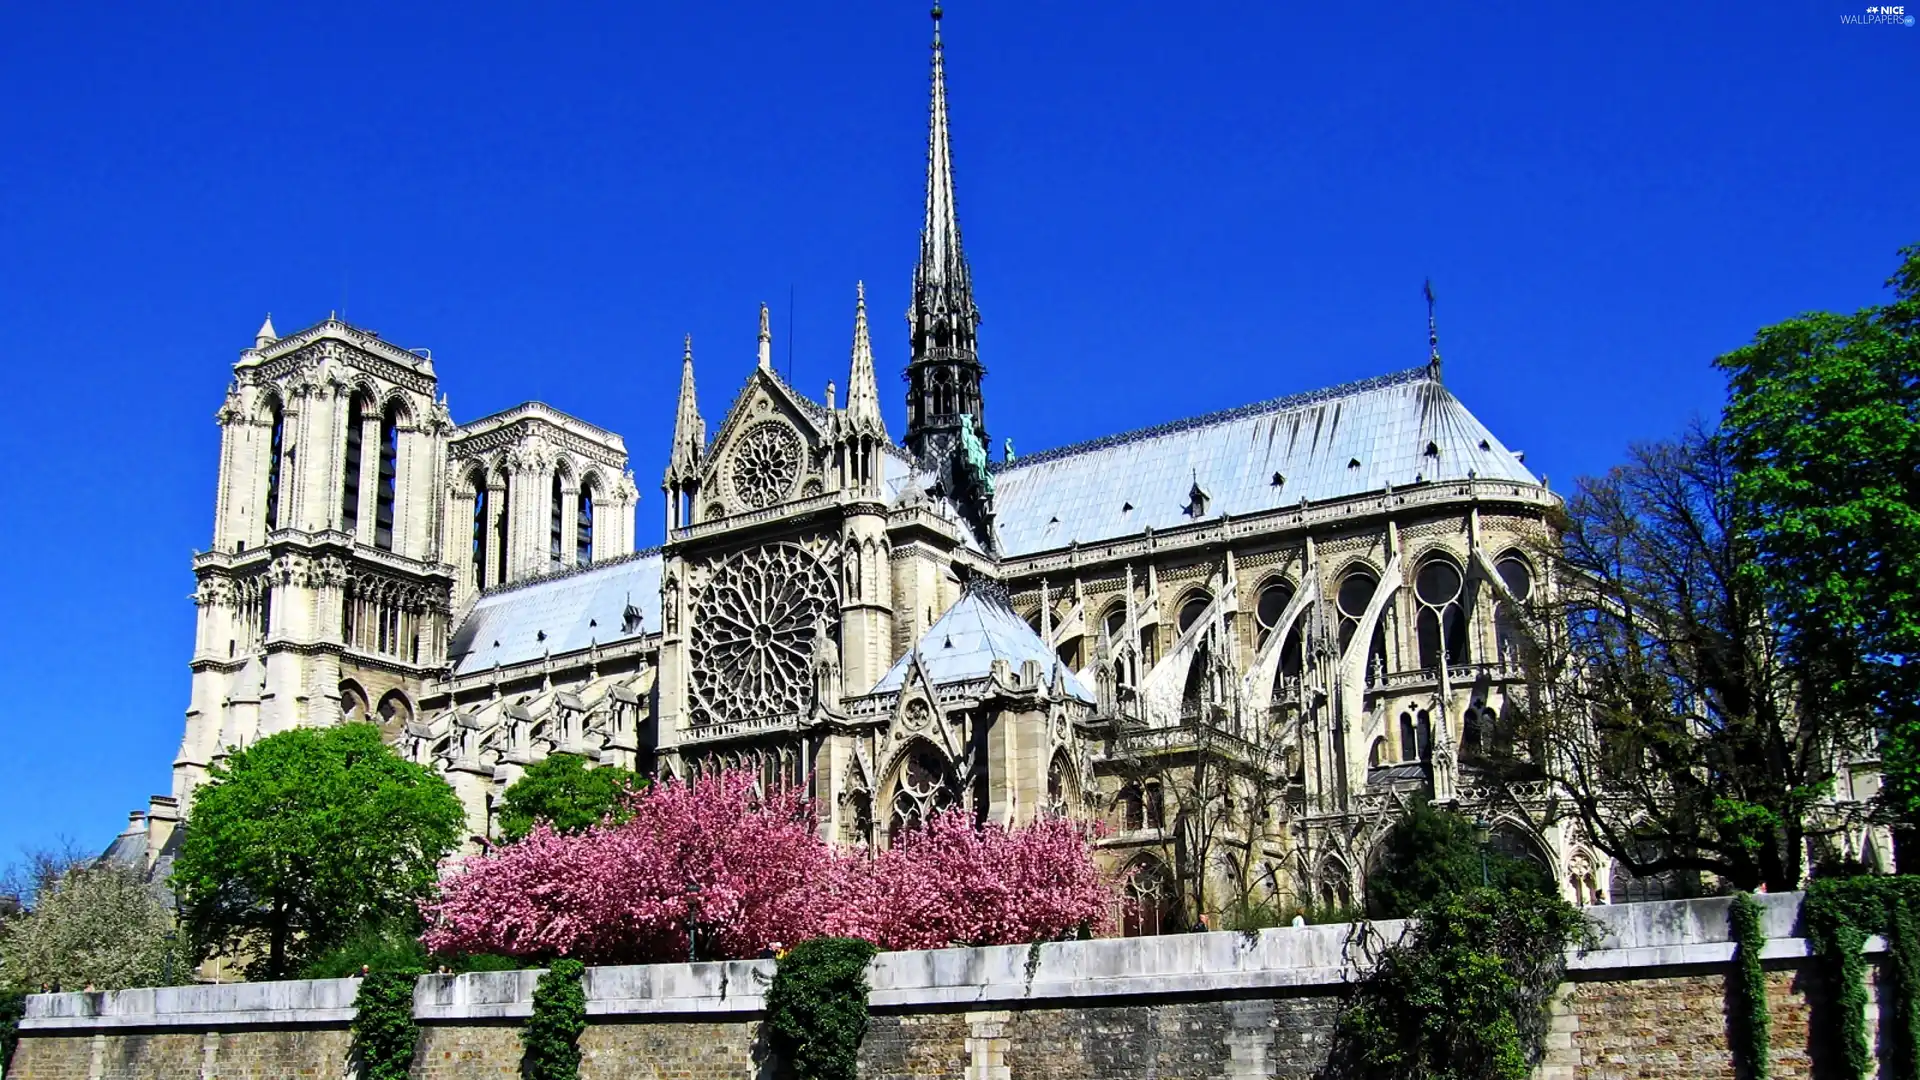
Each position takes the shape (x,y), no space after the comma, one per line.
(1675,933)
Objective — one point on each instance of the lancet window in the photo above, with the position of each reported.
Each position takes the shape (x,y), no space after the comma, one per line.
(556,517)
(275,445)
(1442,622)
(583,525)
(478,481)
(350,466)
(388,480)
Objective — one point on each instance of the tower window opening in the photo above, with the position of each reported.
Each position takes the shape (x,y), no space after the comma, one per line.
(500,525)
(479,531)
(350,468)
(274,448)
(555,517)
(583,528)
(389,478)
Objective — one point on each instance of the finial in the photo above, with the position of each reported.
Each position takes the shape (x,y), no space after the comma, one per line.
(1433,336)
(766,340)
(266,335)
(860,293)
(688,355)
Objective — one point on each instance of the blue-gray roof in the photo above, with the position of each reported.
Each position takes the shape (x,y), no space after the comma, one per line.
(962,645)
(1342,441)
(573,610)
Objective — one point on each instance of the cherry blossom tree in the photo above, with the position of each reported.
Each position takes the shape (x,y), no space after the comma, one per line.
(749,870)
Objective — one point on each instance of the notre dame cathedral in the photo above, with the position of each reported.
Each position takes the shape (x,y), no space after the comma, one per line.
(1308,589)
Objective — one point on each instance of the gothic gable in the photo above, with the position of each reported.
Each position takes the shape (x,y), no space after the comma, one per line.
(769,451)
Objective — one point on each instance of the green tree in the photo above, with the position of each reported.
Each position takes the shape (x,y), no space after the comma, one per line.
(564,793)
(1431,853)
(100,926)
(1659,706)
(301,840)
(1823,424)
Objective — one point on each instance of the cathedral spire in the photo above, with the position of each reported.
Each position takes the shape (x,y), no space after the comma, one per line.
(944,374)
(766,341)
(689,431)
(863,387)
(266,335)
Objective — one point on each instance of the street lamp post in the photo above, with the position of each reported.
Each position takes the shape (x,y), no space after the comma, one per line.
(693,921)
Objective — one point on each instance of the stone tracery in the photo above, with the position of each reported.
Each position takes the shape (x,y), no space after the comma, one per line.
(753,633)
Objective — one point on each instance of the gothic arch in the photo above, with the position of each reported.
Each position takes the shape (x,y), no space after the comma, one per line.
(397,404)
(1152,903)
(354,707)
(921,782)
(394,714)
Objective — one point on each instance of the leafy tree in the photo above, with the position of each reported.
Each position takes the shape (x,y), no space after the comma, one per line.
(1823,423)
(1432,853)
(94,925)
(1661,707)
(561,791)
(299,841)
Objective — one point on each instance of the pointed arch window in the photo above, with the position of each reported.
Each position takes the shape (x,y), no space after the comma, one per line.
(583,526)
(350,466)
(275,447)
(1442,624)
(500,522)
(479,482)
(384,495)
(556,517)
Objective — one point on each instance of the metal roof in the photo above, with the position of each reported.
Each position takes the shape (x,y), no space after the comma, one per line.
(1400,429)
(962,645)
(572,610)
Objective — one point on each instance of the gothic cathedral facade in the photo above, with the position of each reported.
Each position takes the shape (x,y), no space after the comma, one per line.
(1297,607)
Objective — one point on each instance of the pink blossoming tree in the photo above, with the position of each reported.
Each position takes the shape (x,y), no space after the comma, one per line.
(751,871)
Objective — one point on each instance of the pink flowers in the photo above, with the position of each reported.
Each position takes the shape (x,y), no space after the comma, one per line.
(751,871)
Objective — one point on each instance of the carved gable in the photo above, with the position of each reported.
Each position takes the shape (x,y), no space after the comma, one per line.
(769,451)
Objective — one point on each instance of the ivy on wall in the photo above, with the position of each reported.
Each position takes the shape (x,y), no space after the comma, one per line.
(384,1031)
(551,1040)
(1838,917)
(1751,1026)
(817,1007)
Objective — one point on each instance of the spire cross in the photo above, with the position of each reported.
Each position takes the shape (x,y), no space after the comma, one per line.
(1433,335)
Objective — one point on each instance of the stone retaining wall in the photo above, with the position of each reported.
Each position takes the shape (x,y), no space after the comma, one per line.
(1649,1001)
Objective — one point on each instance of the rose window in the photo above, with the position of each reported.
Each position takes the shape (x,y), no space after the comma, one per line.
(753,633)
(766,464)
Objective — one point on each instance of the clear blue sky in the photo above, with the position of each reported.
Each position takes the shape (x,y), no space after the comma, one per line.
(1170,208)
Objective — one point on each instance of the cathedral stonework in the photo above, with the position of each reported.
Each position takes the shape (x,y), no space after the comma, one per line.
(1240,640)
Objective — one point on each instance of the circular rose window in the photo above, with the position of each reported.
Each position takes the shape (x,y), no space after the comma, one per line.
(766,464)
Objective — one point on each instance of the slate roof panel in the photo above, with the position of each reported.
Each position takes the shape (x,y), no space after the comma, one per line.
(1342,441)
(962,645)
(573,610)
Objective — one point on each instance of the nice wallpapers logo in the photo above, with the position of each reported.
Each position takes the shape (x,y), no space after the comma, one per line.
(1880,16)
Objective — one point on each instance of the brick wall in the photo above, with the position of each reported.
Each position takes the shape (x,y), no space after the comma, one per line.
(1650,1002)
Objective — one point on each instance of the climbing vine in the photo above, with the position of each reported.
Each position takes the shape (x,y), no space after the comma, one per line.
(551,1039)
(384,1031)
(1464,993)
(13,1005)
(817,1007)
(1838,917)
(1752,1026)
